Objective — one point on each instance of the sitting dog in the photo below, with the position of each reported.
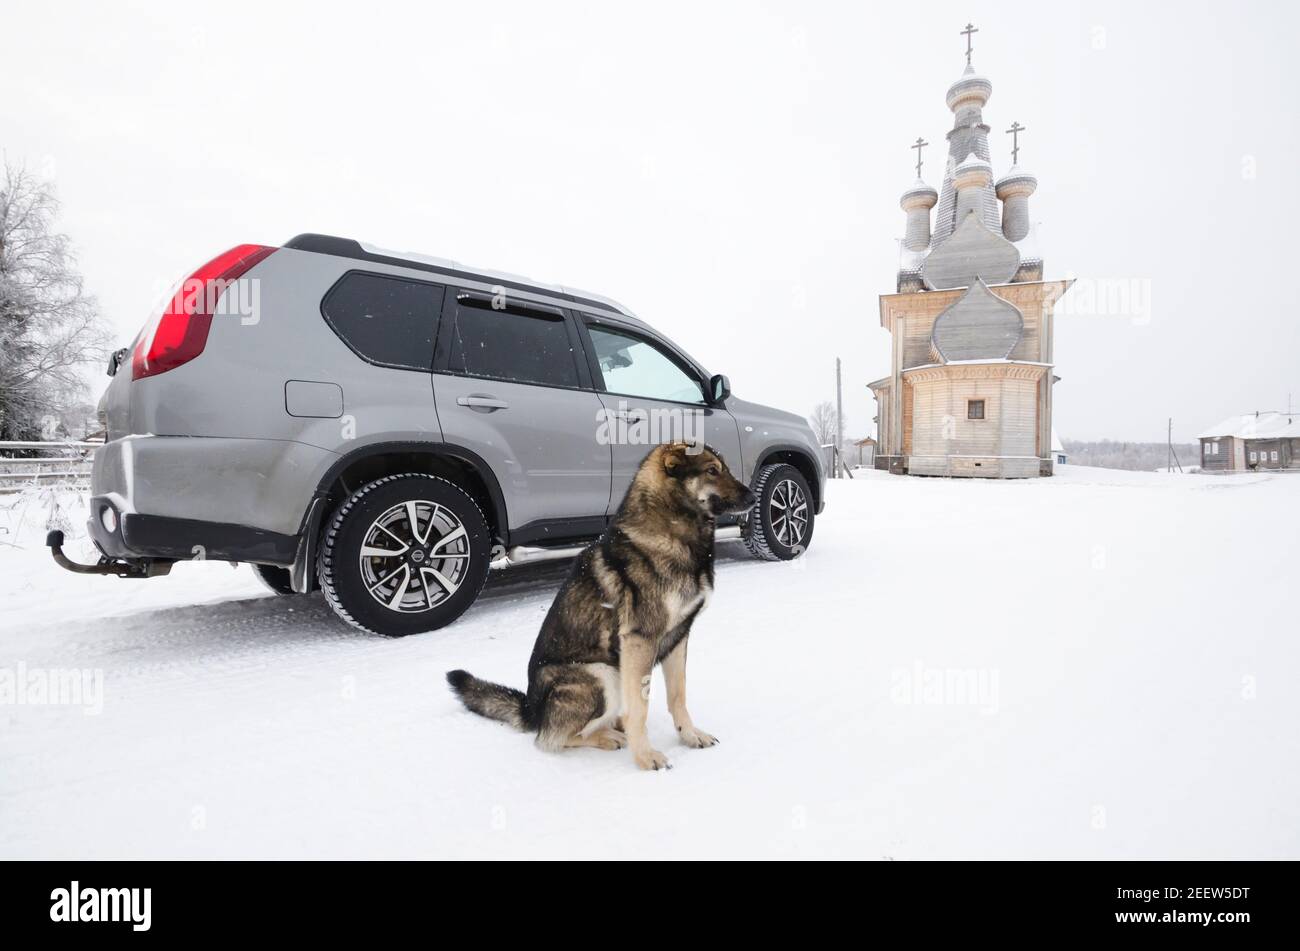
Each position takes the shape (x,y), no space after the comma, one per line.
(627,605)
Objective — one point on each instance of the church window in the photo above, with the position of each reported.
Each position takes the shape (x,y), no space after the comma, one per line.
(974,409)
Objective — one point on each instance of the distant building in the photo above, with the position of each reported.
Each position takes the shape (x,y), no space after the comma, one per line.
(1058,450)
(1251,442)
(969,391)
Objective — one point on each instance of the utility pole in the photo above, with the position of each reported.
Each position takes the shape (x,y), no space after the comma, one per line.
(839,415)
(1169,463)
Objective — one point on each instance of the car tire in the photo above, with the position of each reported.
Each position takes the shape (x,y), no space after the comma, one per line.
(404,554)
(768,534)
(278,579)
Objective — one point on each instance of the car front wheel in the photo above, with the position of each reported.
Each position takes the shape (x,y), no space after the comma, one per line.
(404,554)
(780,526)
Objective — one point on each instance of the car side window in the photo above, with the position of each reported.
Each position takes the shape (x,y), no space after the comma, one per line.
(633,366)
(517,346)
(387,320)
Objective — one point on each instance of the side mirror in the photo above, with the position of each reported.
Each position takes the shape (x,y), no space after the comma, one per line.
(719,388)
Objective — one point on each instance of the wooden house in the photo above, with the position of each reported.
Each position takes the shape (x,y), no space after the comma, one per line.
(1256,441)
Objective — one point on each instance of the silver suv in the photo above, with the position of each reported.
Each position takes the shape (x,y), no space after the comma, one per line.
(385,425)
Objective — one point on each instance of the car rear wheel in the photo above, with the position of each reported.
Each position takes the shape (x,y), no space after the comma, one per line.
(404,554)
(780,525)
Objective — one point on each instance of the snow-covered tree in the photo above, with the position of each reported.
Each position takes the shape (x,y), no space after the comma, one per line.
(822,420)
(51,331)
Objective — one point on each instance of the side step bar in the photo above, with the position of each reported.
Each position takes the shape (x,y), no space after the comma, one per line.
(151,568)
(523,555)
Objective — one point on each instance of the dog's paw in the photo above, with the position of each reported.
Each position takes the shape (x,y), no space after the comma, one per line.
(697,739)
(652,759)
(610,740)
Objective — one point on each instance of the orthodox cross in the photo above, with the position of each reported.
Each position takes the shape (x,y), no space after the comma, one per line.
(968,33)
(1014,132)
(920,144)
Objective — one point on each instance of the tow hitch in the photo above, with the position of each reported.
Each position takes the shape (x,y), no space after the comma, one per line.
(141,568)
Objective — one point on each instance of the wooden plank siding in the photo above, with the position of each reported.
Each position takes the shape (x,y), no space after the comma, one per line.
(1234,454)
(908,402)
(1014,440)
(1001,445)
(1264,448)
(1217,462)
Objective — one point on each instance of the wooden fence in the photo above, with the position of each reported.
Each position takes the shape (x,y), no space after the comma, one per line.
(26,465)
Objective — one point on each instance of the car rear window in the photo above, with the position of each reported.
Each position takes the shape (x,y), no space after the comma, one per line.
(512,345)
(387,320)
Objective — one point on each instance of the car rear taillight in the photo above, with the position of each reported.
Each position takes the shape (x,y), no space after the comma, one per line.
(180,332)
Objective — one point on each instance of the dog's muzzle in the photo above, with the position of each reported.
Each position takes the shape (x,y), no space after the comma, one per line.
(721,506)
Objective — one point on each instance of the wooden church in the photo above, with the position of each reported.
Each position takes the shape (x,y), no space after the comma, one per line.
(970,386)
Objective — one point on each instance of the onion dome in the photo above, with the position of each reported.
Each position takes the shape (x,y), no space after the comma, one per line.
(1014,189)
(919,194)
(1016,180)
(972,172)
(972,89)
(973,163)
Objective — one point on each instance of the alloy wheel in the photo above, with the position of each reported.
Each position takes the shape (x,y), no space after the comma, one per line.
(414,556)
(788,513)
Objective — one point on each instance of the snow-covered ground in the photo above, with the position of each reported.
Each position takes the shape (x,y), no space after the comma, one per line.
(1103,664)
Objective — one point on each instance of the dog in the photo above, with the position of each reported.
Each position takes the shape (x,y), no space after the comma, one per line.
(628,604)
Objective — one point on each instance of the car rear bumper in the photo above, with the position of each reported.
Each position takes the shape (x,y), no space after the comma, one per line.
(133,535)
(182,497)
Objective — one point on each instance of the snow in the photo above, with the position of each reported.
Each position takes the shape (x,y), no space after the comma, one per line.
(938,677)
(1256,426)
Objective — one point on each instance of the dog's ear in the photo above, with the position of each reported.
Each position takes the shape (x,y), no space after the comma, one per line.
(674,457)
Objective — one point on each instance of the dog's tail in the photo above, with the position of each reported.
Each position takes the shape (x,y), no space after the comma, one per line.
(489,700)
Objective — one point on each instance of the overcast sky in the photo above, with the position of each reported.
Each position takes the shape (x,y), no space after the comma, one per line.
(729,172)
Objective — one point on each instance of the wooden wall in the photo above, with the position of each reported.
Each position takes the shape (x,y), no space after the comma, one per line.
(1265,449)
(910,319)
(1223,461)
(946,442)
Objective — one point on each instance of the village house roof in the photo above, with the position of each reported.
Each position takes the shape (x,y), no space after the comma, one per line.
(1256,426)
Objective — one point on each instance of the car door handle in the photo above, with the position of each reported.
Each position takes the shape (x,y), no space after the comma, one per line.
(482,402)
(631,415)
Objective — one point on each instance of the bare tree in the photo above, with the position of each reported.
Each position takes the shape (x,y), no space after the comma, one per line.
(822,420)
(50,329)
